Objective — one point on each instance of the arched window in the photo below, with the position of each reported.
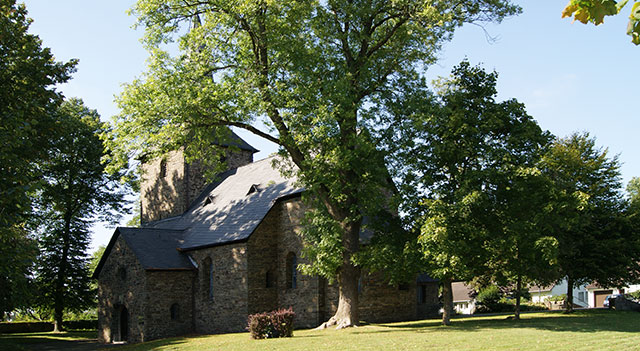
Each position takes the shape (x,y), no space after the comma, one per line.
(208,278)
(292,268)
(163,168)
(175,312)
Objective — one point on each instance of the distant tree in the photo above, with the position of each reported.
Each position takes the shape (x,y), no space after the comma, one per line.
(454,156)
(594,11)
(633,189)
(28,74)
(587,217)
(76,193)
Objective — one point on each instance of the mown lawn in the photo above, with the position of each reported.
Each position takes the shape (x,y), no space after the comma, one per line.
(583,330)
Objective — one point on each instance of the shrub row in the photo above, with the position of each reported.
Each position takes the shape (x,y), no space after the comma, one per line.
(275,324)
(39,327)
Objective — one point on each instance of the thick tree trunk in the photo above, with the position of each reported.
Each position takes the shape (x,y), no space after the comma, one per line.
(347,313)
(569,302)
(447,297)
(518,297)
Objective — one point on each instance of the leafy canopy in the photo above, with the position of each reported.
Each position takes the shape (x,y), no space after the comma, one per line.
(594,11)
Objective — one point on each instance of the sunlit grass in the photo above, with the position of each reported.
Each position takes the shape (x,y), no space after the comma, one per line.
(583,330)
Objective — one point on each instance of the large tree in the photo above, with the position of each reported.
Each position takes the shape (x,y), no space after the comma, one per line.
(28,74)
(464,162)
(307,70)
(77,192)
(596,242)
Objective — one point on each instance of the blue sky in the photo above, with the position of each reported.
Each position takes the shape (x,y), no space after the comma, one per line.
(571,77)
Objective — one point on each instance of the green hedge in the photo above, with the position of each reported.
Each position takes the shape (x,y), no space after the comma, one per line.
(39,327)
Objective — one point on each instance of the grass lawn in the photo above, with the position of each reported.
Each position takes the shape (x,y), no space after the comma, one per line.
(28,341)
(583,330)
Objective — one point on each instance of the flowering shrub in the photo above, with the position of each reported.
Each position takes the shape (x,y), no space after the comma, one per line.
(275,324)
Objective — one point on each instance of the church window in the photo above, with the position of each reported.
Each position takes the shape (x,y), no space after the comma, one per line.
(292,267)
(270,279)
(175,312)
(122,273)
(163,168)
(422,294)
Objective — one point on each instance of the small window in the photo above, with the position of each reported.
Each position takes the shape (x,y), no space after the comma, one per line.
(175,312)
(255,188)
(403,287)
(422,294)
(292,267)
(122,273)
(209,199)
(163,168)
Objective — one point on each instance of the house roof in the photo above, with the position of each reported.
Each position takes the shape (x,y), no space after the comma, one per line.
(154,248)
(536,288)
(235,140)
(461,292)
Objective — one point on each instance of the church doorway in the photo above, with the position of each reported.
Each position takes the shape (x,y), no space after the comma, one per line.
(122,316)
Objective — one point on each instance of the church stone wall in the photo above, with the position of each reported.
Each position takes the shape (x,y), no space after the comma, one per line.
(262,258)
(162,187)
(381,302)
(171,290)
(228,309)
(304,297)
(117,290)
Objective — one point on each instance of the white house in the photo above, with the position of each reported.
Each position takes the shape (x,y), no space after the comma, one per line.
(540,294)
(462,302)
(597,294)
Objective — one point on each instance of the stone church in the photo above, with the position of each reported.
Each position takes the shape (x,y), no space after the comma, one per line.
(209,254)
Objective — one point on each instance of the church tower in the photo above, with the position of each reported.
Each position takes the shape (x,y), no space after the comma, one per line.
(169,184)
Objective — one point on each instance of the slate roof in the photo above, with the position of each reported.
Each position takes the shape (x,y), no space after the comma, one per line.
(235,140)
(227,211)
(461,292)
(156,248)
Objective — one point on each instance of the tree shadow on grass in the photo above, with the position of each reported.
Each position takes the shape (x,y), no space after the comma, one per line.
(585,321)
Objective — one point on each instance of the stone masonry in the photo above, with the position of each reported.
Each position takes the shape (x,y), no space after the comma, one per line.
(122,284)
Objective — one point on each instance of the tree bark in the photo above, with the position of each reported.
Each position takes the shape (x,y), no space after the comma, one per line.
(347,313)
(518,297)
(447,297)
(569,302)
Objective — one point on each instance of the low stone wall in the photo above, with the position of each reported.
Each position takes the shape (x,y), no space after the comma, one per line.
(623,304)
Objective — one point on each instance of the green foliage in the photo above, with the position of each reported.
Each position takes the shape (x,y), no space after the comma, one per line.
(596,240)
(76,193)
(558,298)
(489,295)
(468,177)
(28,74)
(594,11)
